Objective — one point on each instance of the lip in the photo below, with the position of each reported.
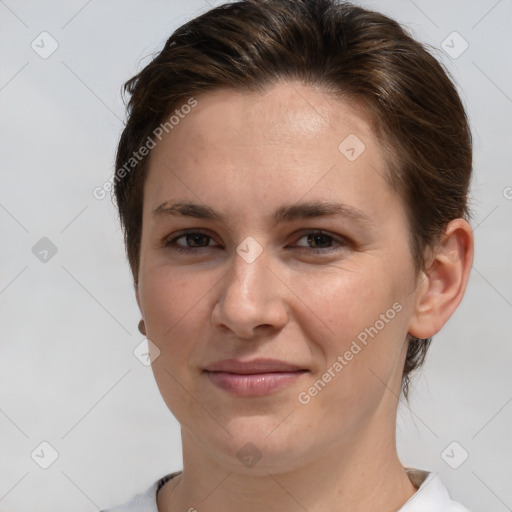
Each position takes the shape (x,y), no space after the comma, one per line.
(253,378)
(253,366)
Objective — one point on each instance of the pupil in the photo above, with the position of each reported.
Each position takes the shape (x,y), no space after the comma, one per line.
(196,239)
(317,237)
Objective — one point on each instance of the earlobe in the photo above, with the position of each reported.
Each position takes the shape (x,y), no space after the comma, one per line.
(142,327)
(441,287)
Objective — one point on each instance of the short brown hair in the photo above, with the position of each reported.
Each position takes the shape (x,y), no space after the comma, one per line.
(348,51)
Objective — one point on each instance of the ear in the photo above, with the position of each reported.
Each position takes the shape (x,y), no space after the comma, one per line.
(441,287)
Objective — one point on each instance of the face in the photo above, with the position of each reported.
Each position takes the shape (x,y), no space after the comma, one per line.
(270,233)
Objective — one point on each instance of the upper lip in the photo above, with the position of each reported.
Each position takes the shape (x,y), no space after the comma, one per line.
(252,366)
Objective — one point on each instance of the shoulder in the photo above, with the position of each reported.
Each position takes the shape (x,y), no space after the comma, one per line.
(145,501)
(431,496)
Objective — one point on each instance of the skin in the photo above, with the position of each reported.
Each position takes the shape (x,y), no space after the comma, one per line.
(245,155)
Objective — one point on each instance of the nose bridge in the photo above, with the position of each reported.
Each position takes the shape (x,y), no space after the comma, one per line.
(249,281)
(250,295)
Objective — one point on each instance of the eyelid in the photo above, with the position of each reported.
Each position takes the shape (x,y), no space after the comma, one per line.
(339,241)
(171,240)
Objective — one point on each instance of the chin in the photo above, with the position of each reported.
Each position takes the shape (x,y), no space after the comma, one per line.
(258,445)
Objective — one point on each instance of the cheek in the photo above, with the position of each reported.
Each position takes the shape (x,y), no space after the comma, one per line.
(173,302)
(357,314)
(344,300)
(175,307)
(356,334)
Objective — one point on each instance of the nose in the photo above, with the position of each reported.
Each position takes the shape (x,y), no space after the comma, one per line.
(252,299)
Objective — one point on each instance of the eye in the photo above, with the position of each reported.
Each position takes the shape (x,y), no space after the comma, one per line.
(317,241)
(322,242)
(194,241)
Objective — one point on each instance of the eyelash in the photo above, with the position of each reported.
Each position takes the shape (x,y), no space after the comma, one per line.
(315,250)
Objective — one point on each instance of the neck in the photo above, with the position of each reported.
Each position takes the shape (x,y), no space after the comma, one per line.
(362,475)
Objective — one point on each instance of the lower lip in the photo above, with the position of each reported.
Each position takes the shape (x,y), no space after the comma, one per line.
(257,384)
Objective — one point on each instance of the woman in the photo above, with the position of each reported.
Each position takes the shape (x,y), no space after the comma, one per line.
(292,182)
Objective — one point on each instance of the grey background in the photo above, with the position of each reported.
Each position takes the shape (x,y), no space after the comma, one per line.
(68,375)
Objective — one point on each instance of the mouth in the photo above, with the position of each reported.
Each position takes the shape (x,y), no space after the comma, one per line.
(253,378)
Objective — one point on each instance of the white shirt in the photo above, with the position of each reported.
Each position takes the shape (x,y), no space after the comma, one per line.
(431,496)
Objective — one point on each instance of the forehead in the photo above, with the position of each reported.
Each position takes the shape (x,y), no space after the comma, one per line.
(284,113)
(291,138)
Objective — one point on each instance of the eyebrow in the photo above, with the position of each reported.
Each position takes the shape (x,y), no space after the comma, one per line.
(286,213)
